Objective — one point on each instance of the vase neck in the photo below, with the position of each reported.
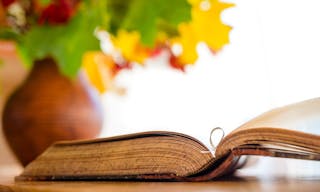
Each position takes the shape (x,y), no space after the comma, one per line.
(44,65)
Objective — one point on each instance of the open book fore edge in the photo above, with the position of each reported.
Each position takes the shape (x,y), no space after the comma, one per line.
(227,164)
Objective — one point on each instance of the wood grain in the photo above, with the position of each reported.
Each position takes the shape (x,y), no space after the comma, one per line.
(242,181)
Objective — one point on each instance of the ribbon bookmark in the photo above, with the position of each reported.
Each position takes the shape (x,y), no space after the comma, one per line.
(213,147)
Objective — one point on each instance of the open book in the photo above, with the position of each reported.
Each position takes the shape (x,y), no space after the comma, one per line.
(290,132)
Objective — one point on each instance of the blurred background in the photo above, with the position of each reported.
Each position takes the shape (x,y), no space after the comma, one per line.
(272,60)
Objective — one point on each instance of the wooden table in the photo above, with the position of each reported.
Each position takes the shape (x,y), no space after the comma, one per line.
(245,180)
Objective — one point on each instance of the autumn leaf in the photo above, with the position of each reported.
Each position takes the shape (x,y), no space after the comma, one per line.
(187,42)
(139,26)
(205,26)
(129,45)
(98,68)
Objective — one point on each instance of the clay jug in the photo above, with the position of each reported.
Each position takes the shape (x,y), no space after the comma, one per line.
(49,107)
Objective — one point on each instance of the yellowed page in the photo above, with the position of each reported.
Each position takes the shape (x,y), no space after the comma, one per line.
(302,116)
(295,126)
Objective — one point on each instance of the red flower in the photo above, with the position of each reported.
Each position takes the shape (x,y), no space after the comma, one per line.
(6,3)
(57,12)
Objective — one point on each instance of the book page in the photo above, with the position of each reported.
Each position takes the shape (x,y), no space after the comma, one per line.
(303,116)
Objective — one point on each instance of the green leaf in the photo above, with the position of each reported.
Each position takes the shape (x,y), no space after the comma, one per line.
(66,43)
(148,16)
(23,53)
(44,2)
(7,33)
(117,10)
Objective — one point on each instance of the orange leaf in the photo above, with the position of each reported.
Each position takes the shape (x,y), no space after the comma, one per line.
(99,69)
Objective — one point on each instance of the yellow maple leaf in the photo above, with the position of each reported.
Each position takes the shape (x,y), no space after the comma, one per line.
(205,26)
(99,70)
(195,2)
(188,43)
(161,38)
(129,45)
(207,23)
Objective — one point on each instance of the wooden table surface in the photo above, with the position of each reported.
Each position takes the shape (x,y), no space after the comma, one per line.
(254,179)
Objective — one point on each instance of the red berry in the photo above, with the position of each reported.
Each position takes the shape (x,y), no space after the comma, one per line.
(6,3)
(58,12)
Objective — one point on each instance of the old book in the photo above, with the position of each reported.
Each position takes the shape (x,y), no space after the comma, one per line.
(290,132)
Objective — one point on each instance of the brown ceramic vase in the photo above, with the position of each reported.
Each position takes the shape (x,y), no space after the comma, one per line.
(49,107)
